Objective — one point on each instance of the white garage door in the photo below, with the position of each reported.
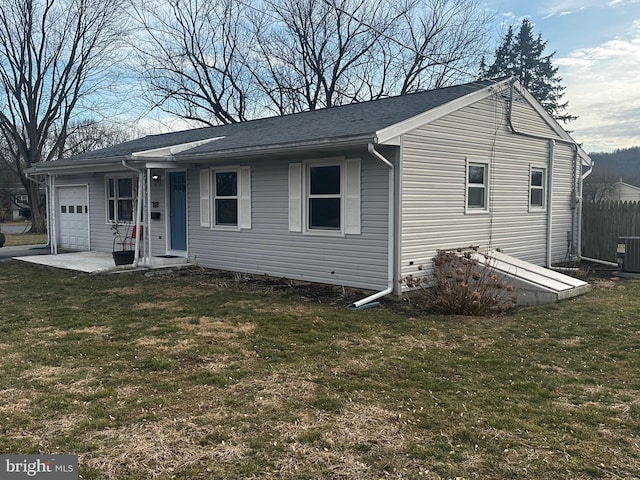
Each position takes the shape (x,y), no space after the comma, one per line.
(73,218)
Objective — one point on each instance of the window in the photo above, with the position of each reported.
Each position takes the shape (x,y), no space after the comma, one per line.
(225,203)
(119,199)
(324,196)
(536,188)
(225,197)
(477,186)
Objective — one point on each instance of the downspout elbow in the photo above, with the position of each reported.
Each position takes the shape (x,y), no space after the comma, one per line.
(369,302)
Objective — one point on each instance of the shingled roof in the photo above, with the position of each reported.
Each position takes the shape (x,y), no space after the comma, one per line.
(356,121)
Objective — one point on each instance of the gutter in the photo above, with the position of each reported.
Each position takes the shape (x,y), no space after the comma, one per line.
(136,255)
(367,302)
(279,148)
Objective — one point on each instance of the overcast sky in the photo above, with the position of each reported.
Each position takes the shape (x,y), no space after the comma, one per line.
(597,45)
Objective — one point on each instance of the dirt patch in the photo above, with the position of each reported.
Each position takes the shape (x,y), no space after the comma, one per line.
(308,291)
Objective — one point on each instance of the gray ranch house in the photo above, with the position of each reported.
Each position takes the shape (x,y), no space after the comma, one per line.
(359,195)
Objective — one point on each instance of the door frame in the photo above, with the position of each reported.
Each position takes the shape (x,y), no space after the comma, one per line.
(169,250)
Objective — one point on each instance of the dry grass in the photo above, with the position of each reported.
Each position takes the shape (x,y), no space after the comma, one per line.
(223,382)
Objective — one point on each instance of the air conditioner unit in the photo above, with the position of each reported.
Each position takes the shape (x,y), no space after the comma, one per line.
(628,254)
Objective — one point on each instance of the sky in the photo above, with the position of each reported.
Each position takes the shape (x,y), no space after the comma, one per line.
(597,51)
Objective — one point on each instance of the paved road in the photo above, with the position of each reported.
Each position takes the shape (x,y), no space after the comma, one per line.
(7,253)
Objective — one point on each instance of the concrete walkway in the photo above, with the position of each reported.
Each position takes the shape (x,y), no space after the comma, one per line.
(88,262)
(94,262)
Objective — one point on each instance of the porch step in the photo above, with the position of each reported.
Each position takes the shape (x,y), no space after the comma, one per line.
(167,260)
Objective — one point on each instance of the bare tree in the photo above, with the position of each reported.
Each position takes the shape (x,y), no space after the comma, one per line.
(88,135)
(53,55)
(440,43)
(317,54)
(192,58)
(223,61)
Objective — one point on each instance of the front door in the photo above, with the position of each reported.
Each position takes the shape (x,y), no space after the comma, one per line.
(178,211)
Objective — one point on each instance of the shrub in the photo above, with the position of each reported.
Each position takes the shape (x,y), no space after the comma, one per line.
(462,285)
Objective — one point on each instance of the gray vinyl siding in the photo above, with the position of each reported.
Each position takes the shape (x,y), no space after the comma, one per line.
(100,233)
(433,186)
(158,228)
(270,248)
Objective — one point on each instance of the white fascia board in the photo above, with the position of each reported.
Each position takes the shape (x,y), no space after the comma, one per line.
(165,152)
(391,134)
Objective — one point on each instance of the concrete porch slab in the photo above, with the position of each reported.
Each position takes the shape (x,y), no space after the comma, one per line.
(93,262)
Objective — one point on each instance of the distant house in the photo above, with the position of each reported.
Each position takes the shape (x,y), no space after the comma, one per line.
(14,203)
(616,192)
(358,195)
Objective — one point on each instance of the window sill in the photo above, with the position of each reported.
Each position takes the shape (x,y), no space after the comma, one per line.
(324,233)
(474,211)
(225,228)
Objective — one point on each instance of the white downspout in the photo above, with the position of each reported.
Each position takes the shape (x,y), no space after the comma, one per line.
(391,236)
(136,257)
(53,206)
(552,145)
(540,137)
(579,242)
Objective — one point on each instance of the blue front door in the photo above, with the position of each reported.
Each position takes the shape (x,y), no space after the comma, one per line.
(178,211)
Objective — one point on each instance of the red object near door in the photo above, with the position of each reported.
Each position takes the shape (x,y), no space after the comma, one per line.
(135,230)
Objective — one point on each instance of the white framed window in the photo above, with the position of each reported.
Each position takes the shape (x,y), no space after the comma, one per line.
(537,182)
(225,198)
(477,187)
(324,196)
(120,193)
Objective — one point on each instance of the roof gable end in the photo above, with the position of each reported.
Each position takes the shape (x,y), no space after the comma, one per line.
(392,132)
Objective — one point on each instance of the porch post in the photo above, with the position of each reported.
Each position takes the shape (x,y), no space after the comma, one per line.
(147,231)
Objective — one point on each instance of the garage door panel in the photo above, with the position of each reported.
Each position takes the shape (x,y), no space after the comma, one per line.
(73,217)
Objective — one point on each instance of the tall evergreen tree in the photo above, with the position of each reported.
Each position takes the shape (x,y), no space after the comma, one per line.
(522,56)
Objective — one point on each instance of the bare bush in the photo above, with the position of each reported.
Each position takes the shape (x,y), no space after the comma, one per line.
(462,285)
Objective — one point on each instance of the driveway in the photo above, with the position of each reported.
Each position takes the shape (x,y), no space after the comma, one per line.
(7,253)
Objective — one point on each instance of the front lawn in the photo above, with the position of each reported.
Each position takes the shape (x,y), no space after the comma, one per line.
(197,377)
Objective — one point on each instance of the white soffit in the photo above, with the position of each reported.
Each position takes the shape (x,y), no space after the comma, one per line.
(173,149)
